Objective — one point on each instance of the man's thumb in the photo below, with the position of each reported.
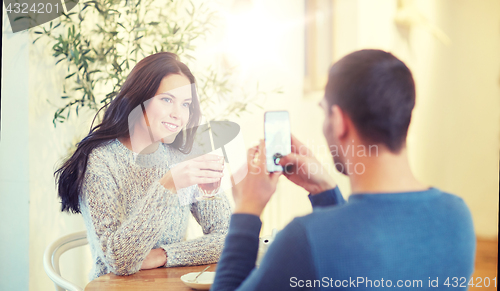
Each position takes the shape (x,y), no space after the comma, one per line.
(288,159)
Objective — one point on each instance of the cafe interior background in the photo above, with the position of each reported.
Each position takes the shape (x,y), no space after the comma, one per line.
(286,47)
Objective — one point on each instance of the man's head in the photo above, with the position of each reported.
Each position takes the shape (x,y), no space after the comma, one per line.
(370,95)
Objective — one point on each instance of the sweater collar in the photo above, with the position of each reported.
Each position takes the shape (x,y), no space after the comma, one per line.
(150,160)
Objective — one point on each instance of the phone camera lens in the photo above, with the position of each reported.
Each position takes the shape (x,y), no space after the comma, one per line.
(277,157)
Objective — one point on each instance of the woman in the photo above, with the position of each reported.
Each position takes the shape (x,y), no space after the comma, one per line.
(128,180)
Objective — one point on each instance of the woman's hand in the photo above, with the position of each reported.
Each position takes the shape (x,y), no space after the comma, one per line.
(156,258)
(303,169)
(201,170)
(254,191)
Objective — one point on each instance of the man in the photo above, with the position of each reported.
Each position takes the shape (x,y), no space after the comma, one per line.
(393,231)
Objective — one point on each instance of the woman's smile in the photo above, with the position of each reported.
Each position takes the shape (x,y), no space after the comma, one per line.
(170,126)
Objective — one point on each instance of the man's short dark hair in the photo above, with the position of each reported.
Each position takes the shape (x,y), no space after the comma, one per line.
(376,90)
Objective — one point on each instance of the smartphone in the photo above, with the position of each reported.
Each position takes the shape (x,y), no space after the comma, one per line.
(278,138)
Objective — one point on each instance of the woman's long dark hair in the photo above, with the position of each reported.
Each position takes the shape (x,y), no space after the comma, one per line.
(141,85)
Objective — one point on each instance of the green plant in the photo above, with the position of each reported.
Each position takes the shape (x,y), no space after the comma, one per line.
(101,41)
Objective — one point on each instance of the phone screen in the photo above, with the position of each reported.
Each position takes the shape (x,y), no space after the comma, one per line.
(277,135)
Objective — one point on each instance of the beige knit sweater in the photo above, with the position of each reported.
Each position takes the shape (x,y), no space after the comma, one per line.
(127,212)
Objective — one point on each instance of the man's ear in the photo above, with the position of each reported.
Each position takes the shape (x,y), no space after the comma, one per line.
(339,122)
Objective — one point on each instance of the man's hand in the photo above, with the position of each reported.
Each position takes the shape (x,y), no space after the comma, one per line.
(254,191)
(303,169)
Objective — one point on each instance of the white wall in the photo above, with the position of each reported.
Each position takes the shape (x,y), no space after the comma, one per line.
(456,140)
(47,148)
(14,162)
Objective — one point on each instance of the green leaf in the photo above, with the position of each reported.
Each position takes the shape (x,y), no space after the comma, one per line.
(112,94)
(21,17)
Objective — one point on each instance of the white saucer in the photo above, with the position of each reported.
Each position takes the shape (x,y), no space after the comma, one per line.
(204,281)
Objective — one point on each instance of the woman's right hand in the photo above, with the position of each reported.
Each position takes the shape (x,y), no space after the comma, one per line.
(201,170)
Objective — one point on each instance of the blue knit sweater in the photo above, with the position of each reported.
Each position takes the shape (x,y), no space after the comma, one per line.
(414,240)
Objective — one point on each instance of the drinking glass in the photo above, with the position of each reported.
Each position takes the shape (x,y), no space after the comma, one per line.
(209,190)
